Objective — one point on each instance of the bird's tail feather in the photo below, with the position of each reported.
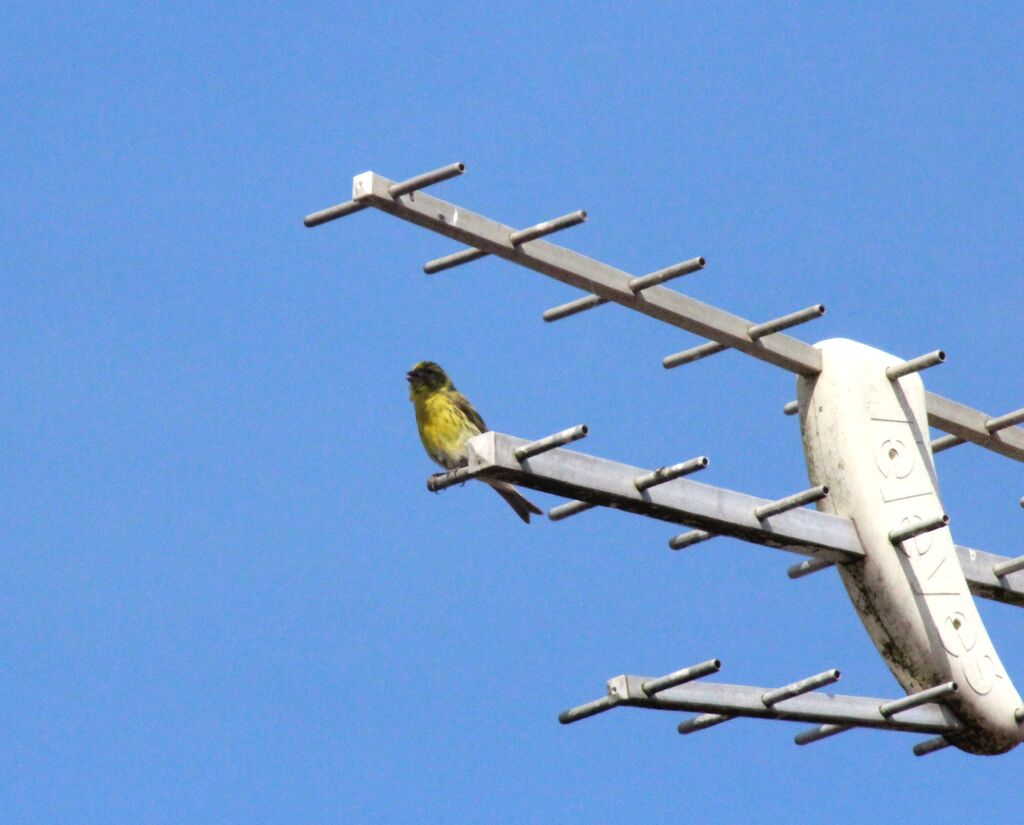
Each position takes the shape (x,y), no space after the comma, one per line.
(516,500)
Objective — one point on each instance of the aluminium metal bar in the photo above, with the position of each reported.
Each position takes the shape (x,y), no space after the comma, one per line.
(661,276)
(681,677)
(688,356)
(550,442)
(547,227)
(333,213)
(931,745)
(663,474)
(563,511)
(442,481)
(1007,567)
(661,303)
(773,697)
(464,256)
(567,717)
(791,408)
(636,285)
(573,307)
(801,316)
(912,530)
(816,734)
(806,567)
(1003,422)
(702,722)
(946,442)
(689,539)
(914,700)
(718,510)
(791,502)
(452,170)
(922,362)
(815,706)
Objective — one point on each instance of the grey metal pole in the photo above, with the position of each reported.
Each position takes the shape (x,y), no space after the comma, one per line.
(818,733)
(681,677)
(773,697)
(791,502)
(573,307)
(922,362)
(689,539)
(912,530)
(663,474)
(786,321)
(667,274)
(994,425)
(333,212)
(1008,567)
(550,442)
(547,227)
(452,170)
(442,481)
(589,709)
(945,442)
(931,745)
(702,722)
(805,568)
(563,511)
(455,259)
(922,697)
(693,354)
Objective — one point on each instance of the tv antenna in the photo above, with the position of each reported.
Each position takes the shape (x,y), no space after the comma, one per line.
(864,419)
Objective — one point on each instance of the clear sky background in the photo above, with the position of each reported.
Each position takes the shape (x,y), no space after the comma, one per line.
(228,596)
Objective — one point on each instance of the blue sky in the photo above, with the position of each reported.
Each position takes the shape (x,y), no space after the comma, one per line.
(228,596)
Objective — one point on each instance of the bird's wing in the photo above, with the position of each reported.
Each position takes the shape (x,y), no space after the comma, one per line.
(469,411)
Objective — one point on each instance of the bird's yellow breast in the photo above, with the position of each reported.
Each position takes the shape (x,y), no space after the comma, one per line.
(443,428)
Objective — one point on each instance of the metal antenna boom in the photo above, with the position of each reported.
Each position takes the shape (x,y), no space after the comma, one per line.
(607,282)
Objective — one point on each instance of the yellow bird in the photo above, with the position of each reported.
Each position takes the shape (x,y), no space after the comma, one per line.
(446,420)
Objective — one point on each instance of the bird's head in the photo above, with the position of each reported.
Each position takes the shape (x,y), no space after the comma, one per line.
(427,377)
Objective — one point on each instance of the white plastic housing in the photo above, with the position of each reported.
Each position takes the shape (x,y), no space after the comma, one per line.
(867,438)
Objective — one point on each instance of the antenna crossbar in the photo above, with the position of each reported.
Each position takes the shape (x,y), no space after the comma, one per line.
(586,273)
(606,283)
(594,481)
(728,701)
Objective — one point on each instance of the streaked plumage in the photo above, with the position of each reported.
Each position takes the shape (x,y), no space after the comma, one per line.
(446,420)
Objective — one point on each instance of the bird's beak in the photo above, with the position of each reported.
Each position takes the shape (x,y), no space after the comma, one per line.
(410,376)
